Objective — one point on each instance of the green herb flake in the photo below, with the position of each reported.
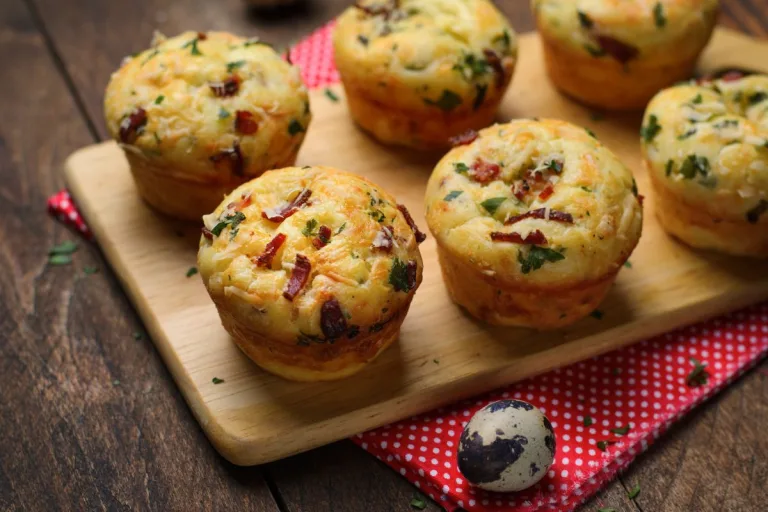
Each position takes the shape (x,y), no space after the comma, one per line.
(754,99)
(377,215)
(503,38)
(223,113)
(694,165)
(232,66)
(536,257)
(584,20)
(471,67)
(453,194)
(603,445)
(658,15)
(217,380)
(341,228)
(192,271)
(585,189)
(594,51)
(436,361)
(398,276)
(688,133)
(159,99)
(59,259)
(634,187)
(418,502)
(621,431)
(628,264)
(588,421)
(192,45)
(651,130)
(363,40)
(697,99)
(295,127)
(331,95)
(65,247)
(89,270)
(448,101)
(310,228)
(632,494)
(597,314)
(698,376)
(230,220)
(492,204)
(460,167)
(591,133)
(670,167)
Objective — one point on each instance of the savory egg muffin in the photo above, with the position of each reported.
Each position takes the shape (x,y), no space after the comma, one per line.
(202,112)
(616,54)
(706,150)
(533,220)
(418,72)
(312,270)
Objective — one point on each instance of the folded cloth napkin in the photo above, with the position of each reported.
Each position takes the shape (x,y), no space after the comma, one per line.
(605,411)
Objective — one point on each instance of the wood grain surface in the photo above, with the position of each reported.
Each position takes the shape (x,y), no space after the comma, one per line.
(76,440)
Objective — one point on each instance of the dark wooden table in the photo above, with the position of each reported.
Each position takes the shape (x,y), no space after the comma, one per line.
(90,417)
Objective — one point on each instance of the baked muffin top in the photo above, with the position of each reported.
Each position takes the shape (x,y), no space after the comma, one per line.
(212,103)
(537,201)
(296,244)
(624,29)
(708,143)
(448,54)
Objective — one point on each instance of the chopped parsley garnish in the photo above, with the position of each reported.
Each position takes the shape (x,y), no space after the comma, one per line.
(698,376)
(231,66)
(725,123)
(89,270)
(694,165)
(591,133)
(651,130)
(585,189)
(628,264)
(331,95)
(594,51)
(436,361)
(363,40)
(754,99)
(217,380)
(480,90)
(418,502)
(341,228)
(471,67)
(584,20)
(603,445)
(503,38)
(453,194)
(460,167)
(670,167)
(295,127)
(634,492)
(192,271)
(492,204)
(230,220)
(753,215)
(658,15)
(223,113)
(588,421)
(536,257)
(688,133)
(621,431)
(448,101)
(377,215)
(634,187)
(554,165)
(192,45)
(310,229)
(398,276)
(65,247)
(59,259)
(697,99)
(597,314)
(159,99)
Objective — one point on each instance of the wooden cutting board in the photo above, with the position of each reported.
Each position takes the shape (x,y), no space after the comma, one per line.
(442,355)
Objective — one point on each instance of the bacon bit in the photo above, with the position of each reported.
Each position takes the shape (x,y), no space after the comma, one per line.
(465,138)
(323,237)
(732,75)
(228,87)
(332,320)
(548,191)
(383,240)
(494,61)
(640,199)
(410,273)
(520,188)
(133,125)
(233,156)
(245,200)
(285,210)
(619,50)
(532,238)
(265,258)
(202,36)
(541,213)
(485,172)
(299,277)
(245,122)
(376,10)
(420,237)
(207,233)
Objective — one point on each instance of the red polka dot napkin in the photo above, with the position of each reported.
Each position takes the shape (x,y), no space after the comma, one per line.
(605,411)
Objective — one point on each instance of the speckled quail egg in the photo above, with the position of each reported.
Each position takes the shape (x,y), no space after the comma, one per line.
(506,446)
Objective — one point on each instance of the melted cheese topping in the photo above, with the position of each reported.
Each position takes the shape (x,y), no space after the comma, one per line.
(348,268)
(593,186)
(424,49)
(658,27)
(187,123)
(710,146)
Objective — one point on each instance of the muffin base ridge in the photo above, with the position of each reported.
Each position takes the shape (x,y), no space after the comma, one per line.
(500,304)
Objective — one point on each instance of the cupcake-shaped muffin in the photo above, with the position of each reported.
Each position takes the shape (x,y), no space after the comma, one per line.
(312,270)
(706,150)
(202,112)
(418,72)
(616,54)
(533,220)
